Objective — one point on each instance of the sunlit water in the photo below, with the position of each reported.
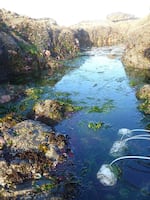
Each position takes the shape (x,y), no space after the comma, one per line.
(97,80)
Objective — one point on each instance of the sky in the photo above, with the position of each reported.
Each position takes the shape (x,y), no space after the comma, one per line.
(68,12)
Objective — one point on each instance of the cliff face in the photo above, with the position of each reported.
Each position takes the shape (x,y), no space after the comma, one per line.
(100,33)
(29,45)
(137,54)
(122,29)
(114,30)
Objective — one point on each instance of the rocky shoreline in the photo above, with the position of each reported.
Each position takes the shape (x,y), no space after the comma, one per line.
(31,151)
(35,160)
(29,45)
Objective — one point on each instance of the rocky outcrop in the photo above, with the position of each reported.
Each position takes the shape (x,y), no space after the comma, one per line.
(52,111)
(121,28)
(104,33)
(119,16)
(29,45)
(138,45)
(144,94)
(98,33)
(30,152)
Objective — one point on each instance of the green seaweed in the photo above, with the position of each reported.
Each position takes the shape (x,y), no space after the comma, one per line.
(148,127)
(69,107)
(44,187)
(117,170)
(133,83)
(34,93)
(106,107)
(64,94)
(29,48)
(145,106)
(95,125)
(7,108)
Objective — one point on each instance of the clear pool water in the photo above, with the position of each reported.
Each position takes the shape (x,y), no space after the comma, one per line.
(99,81)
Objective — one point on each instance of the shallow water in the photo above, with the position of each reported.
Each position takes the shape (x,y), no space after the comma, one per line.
(106,91)
(97,80)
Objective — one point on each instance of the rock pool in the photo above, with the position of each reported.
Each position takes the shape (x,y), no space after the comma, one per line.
(98,83)
(107,93)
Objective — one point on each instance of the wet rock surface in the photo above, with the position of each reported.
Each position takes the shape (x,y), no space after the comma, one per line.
(51,111)
(30,151)
(144,94)
(10,93)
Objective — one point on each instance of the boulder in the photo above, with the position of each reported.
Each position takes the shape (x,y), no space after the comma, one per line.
(51,111)
(116,52)
(30,151)
(145,107)
(144,94)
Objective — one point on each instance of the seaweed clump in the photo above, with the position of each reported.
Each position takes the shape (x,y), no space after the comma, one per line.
(30,153)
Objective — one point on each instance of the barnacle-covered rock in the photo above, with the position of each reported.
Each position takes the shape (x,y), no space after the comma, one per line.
(2,142)
(31,151)
(145,107)
(51,111)
(8,121)
(144,94)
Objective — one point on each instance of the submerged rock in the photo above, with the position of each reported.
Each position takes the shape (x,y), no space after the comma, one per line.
(5,98)
(116,52)
(31,152)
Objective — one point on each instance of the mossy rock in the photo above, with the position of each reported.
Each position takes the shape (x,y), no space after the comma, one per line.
(145,107)
(52,111)
(144,92)
(30,154)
